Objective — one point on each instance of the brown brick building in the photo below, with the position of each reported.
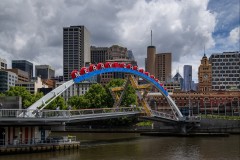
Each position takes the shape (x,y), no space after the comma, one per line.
(214,102)
(163,66)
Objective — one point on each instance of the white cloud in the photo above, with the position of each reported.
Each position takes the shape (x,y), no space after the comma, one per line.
(234,36)
(180,27)
(32,29)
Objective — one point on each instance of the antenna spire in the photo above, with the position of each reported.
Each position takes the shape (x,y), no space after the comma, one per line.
(204,51)
(151,37)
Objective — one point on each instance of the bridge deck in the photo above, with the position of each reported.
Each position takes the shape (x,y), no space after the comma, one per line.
(49,117)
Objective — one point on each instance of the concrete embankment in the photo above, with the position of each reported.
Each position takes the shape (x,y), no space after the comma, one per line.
(211,125)
(11,149)
(160,134)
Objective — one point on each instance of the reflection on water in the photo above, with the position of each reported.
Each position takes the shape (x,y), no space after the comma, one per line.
(111,146)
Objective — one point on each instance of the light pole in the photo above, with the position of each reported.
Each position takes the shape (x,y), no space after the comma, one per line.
(155,105)
(20,137)
(205,106)
(3,133)
(225,109)
(198,107)
(238,108)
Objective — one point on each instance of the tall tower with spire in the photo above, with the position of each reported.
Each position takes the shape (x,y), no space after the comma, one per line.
(151,53)
(205,74)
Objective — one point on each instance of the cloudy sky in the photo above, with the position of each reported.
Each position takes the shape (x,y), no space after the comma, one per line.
(32,29)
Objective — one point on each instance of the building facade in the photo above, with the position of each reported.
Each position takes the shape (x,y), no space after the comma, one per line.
(7,79)
(99,54)
(11,102)
(118,52)
(44,71)
(76,89)
(211,102)
(130,55)
(3,63)
(178,78)
(187,77)
(32,86)
(163,66)
(205,75)
(225,71)
(23,65)
(22,75)
(76,49)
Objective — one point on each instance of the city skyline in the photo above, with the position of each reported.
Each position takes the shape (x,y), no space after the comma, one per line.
(33,30)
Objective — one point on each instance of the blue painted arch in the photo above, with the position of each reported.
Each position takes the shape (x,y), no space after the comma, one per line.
(123,70)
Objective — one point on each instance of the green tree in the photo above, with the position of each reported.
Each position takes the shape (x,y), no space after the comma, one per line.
(27,98)
(113,83)
(2,94)
(78,102)
(96,96)
(57,102)
(129,96)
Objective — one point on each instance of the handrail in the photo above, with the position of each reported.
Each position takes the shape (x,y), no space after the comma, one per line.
(27,113)
(163,115)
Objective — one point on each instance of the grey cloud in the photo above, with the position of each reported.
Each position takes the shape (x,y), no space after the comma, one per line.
(32,29)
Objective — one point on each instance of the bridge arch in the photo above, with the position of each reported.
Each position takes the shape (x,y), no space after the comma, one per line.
(56,92)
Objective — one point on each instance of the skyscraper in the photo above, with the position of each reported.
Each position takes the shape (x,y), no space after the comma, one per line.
(7,79)
(76,49)
(99,54)
(187,75)
(23,65)
(150,61)
(163,66)
(225,71)
(44,71)
(150,65)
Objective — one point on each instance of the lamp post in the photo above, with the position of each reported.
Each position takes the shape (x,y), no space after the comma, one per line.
(238,108)
(155,105)
(205,109)
(198,107)
(20,137)
(3,133)
(225,109)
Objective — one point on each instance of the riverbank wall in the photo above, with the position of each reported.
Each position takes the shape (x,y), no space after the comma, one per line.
(207,125)
(43,147)
(210,125)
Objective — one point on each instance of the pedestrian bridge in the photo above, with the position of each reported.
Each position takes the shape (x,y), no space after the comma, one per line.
(36,112)
(86,73)
(26,116)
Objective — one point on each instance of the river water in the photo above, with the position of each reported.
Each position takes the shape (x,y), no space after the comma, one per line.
(131,146)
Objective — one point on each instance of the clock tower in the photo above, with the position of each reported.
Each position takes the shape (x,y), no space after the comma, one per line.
(205,75)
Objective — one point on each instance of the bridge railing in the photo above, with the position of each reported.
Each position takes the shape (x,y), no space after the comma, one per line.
(28,113)
(163,115)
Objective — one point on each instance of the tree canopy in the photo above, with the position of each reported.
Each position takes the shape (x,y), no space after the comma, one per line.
(27,98)
(58,102)
(100,97)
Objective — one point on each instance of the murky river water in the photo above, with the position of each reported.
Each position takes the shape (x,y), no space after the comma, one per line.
(112,146)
